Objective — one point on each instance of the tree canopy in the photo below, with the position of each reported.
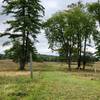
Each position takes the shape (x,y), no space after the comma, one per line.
(71,29)
(25,24)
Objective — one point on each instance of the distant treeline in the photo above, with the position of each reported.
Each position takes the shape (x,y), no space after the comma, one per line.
(38,57)
(52,58)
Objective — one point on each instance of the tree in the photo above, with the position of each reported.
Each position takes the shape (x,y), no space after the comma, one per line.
(70,30)
(94,9)
(15,53)
(26,22)
(88,32)
(84,27)
(55,29)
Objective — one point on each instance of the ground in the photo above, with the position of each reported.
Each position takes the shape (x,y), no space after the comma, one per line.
(51,81)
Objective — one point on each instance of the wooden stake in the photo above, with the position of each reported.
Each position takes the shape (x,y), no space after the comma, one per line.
(31,69)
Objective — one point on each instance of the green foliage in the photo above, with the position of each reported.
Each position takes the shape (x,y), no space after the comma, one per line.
(48,58)
(27,15)
(94,9)
(15,53)
(70,30)
(2,56)
(26,21)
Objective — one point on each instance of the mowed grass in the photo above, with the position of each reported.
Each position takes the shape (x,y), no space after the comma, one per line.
(51,81)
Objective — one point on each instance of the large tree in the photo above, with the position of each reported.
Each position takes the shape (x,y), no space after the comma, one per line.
(94,9)
(70,30)
(55,29)
(26,21)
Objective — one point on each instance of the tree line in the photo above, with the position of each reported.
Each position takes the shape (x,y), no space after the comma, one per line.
(72,31)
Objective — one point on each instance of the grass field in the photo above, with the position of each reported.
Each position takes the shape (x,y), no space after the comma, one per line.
(51,81)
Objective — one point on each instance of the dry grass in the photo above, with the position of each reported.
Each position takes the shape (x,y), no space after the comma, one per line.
(9,68)
(8,65)
(15,73)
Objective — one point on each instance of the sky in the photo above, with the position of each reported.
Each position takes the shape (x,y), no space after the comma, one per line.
(51,7)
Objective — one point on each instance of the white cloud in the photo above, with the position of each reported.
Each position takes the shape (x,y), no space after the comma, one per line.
(50,4)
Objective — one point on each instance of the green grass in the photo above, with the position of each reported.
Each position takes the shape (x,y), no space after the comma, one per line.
(49,86)
(51,81)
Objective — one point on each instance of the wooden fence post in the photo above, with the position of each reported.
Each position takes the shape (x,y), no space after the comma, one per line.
(31,69)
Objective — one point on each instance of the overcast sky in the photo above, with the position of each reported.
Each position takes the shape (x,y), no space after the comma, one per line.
(51,6)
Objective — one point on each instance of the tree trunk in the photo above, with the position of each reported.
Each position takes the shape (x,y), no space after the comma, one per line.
(69,59)
(66,49)
(69,64)
(22,58)
(79,54)
(26,48)
(84,56)
(22,65)
(71,44)
(79,59)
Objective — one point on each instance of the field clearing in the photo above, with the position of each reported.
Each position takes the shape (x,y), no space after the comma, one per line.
(51,81)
